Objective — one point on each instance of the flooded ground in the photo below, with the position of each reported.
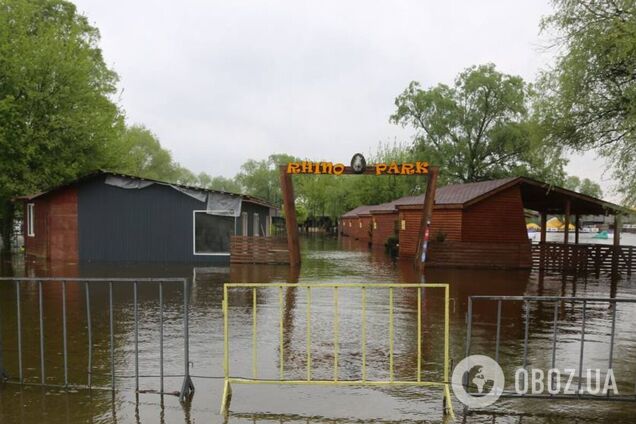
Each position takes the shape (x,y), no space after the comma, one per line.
(324,261)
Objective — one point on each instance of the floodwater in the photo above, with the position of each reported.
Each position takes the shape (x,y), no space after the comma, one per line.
(324,261)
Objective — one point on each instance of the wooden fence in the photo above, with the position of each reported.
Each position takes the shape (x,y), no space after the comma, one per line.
(584,258)
(258,250)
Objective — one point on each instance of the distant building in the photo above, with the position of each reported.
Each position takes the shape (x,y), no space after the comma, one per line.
(110,217)
(480,224)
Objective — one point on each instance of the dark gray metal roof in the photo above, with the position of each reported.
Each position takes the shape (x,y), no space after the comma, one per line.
(246,197)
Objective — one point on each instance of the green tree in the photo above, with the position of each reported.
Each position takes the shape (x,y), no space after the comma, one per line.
(140,154)
(478,128)
(261,178)
(57,119)
(218,183)
(589,97)
(585,186)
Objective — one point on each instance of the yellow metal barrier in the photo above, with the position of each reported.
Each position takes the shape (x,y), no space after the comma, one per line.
(445,384)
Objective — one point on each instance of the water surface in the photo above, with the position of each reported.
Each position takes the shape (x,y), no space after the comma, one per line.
(324,261)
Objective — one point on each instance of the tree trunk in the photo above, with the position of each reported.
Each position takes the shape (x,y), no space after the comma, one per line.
(7,212)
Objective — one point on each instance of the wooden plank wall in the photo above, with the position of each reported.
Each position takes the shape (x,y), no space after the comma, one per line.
(457,254)
(37,245)
(446,221)
(364,228)
(584,258)
(347,226)
(258,250)
(56,229)
(384,225)
(63,228)
(497,219)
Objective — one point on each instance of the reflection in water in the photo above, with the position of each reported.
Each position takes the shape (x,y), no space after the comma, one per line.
(326,261)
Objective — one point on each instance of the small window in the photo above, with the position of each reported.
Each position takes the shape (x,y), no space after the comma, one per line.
(349,224)
(31,220)
(257,225)
(244,223)
(360,223)
(403,225)
(212,233)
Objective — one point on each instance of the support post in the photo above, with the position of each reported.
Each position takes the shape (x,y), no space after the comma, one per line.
(617,244)
(289,207)
(566,229)
(427,213)
(542,246)
(566,236)
(544,225)
(617,230)
(577,222)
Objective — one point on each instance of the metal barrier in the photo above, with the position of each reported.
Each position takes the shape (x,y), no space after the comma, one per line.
(336,381)
(559,305)
(187,388)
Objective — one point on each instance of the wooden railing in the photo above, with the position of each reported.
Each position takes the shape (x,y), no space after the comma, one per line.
(258,250)
(584,258)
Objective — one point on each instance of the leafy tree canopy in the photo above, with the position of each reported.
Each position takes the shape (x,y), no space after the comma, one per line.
(57,119)
(478,128)
(589,97)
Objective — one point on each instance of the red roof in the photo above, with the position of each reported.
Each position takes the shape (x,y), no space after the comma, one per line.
(360,210)
(536,195)
(457,194)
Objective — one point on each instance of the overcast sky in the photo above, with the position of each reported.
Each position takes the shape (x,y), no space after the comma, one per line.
(220,82)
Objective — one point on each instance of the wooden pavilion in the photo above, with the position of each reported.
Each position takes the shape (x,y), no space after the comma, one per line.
(483,225)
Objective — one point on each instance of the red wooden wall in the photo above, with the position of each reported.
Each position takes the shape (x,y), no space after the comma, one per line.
(56,231)
(497,219)
(364,228)
(383,227)
(447,221)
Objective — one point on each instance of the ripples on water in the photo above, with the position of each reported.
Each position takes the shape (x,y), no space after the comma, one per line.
(324,260)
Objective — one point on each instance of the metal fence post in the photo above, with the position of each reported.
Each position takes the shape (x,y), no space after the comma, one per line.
(41,317)
(19,329)
(3,373)
(89,335)
(187,389)
(64,334)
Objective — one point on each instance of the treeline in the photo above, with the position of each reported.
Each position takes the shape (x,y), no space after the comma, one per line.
(59,118)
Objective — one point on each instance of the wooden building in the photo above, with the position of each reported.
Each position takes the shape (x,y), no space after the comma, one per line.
(483,224)
(472,225)
(384,219)
(106,217)
(351,223)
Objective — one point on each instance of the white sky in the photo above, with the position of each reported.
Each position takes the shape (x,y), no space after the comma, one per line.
(220,82)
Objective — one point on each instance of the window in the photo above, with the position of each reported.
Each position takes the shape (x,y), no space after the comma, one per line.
(257,225)
(403,225)
(31,220)
(244,223)
(211,233)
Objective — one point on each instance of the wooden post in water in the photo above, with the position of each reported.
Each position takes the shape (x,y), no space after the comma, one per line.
(566,229)
(566,235)
(542,246)
(577,222)
(427,213)
(617,244)
(544,225)
(289,206)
